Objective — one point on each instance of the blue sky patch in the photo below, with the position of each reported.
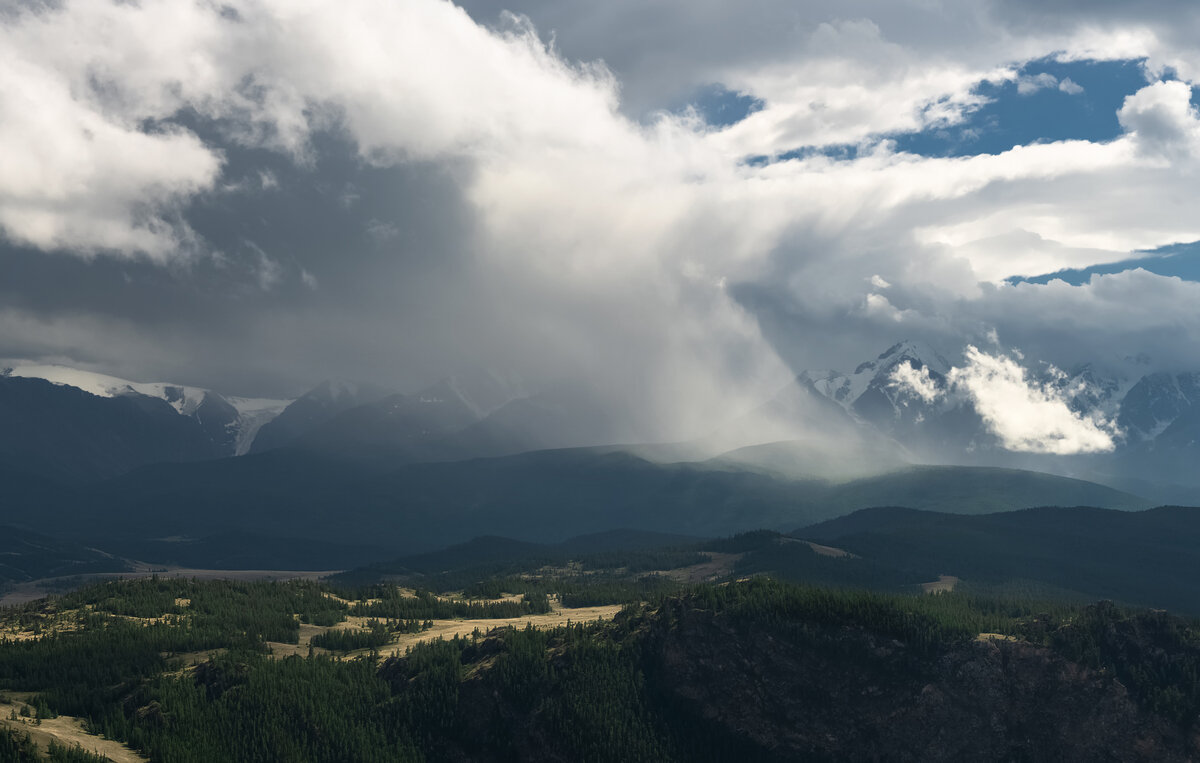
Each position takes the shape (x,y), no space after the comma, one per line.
(839,151)
(722,107)
(1050,101)
(1178,260)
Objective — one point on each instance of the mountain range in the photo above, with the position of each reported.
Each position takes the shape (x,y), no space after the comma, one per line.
(68,422)
(1157,418)
(361,465)
(866,418)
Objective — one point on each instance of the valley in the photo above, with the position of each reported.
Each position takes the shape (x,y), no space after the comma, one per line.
(760,669)
(450,381)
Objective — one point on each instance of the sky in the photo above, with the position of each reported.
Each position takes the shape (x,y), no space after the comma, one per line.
(679,204)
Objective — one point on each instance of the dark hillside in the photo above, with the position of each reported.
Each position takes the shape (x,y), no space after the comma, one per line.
(545,496)
(1148,557)
(67,434)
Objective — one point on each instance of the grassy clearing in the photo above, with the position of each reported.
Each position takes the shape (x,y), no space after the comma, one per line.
(719,565)
(66,731)
(442,629)
(943,584)
(447,629)
(836,553)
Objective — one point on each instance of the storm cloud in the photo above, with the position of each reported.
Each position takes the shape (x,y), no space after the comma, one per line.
(258,195)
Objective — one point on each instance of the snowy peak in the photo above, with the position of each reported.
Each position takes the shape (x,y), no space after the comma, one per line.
(230,423)
(1157,415)
(914,352)
(185,400)
(1087,390)
(871,390)
(253,414)
(1153,404)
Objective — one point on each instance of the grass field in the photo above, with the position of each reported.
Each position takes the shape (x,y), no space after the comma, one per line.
(445,629)
(66,731)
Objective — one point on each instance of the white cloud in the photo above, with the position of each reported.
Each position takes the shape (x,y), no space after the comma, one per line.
(72,178)
(854,85)
(1070,86)
(1163,120)
(1026,416)
(90,177)
(601,237)
(1030,84)
(918,382)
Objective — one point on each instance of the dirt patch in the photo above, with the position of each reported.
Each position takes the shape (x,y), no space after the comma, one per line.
(307,631)
(444,629)
(69,732)
(717,567)
(47,622)
(279,650)
(943,584)
(837,553)
(447,629)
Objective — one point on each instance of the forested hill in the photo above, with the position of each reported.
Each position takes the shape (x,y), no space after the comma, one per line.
(28,556)
(1148,557)
(754,671)
(543,497)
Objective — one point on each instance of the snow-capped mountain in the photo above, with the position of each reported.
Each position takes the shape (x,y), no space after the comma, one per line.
(903,394)
(1086,390)
(1155,403)
(253,414)
(1157,415)
(873,381)
(231,423)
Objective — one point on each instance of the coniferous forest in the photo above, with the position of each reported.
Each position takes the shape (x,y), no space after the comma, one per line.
(757,669)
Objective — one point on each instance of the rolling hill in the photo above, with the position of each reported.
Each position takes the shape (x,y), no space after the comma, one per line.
(1147,557)
(543,496)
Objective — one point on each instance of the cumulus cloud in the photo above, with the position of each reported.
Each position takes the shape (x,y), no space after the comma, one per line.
(918,382)
(1030,84)
(1163,120)
(1070,86)
(106,171)
(75,180)
(574,234)
(1027,416)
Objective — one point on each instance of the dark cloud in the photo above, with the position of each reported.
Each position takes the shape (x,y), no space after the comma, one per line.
(390,212)
(338,269)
